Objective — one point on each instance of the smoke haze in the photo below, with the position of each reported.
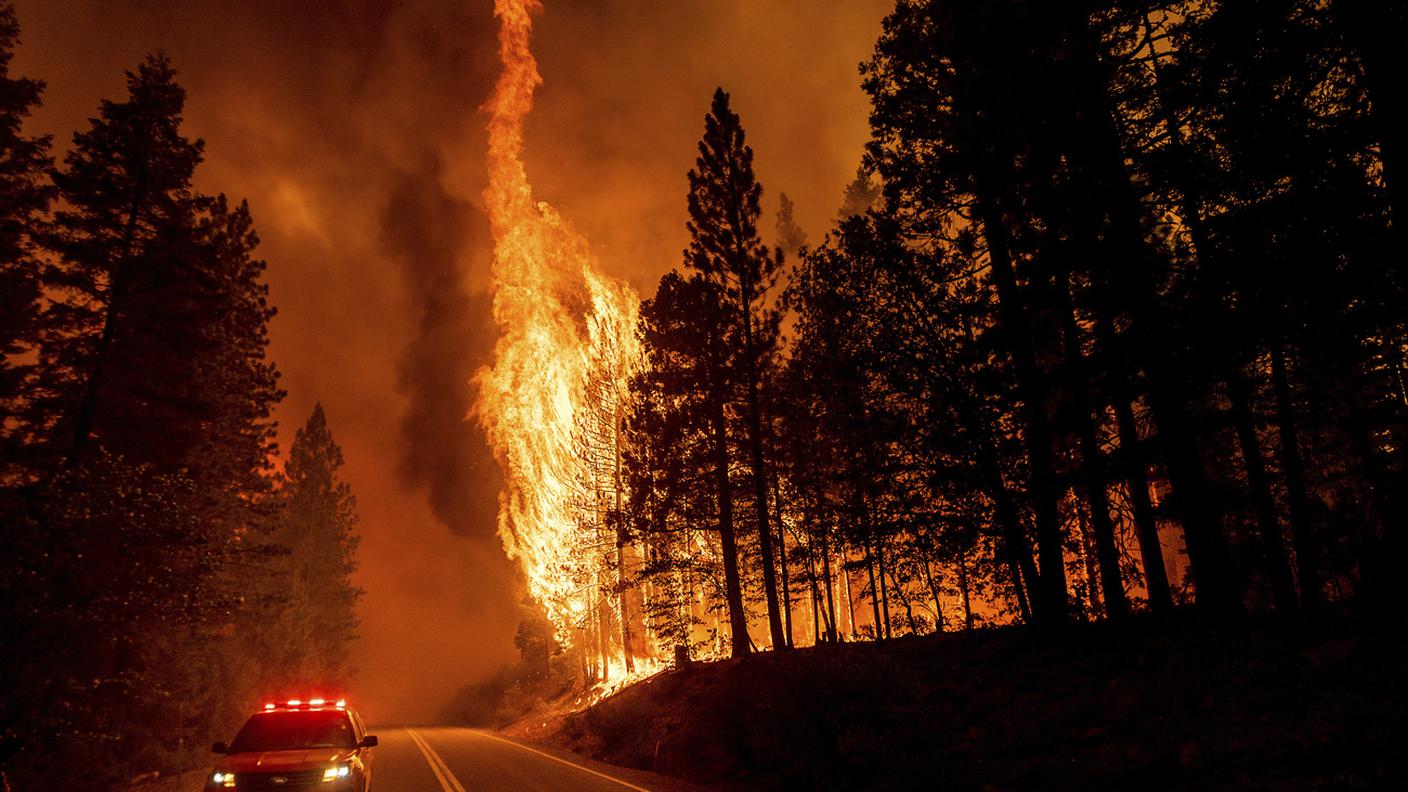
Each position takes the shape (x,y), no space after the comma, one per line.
(353,129)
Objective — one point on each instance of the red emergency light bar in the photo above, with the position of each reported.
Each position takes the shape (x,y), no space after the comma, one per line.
(316,703)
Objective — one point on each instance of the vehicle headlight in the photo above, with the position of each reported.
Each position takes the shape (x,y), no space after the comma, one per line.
(334,773)
(223,779)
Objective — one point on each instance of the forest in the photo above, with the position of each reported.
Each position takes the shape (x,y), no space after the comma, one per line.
(1109,330)
(1109,324)
(162,564)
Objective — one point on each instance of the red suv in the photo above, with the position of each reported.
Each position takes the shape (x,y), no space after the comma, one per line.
(313,744)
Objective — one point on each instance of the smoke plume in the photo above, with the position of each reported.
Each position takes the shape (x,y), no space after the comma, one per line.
(438,240)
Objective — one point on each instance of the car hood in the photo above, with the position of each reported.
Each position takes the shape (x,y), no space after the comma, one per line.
(283,761)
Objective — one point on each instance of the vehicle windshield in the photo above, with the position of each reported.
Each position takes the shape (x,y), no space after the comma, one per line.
(282,731)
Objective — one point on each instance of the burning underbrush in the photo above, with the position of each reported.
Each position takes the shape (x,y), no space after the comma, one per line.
(549,681)
(1255,705)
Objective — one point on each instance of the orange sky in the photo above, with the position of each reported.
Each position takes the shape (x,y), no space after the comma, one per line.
(352,127)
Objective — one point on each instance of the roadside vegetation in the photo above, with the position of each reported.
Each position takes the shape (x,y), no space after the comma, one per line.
(160,568)
(1110,322)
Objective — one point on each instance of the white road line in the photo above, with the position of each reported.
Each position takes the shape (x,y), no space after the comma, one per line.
(558,760)
(447,779)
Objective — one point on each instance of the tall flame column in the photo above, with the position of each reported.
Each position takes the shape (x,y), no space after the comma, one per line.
(562,325)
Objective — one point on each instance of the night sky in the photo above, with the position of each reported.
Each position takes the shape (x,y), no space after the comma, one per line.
(353,130)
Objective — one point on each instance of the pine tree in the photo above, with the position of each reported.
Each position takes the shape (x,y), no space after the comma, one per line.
(25,196)
(963,164)
(726,250)
(861,195)
(790,236)
(236,384)
(155,347)
(317,529)
(680,455)
(124,286)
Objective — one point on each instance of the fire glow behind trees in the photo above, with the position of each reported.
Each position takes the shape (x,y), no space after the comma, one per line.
(1107,339)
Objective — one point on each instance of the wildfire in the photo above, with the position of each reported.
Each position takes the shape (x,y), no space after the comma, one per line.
(550,402)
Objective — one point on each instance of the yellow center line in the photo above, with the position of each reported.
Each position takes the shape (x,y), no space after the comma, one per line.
(558,760)
(447,779)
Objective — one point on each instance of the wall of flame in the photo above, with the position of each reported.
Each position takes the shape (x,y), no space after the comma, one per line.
(558,317)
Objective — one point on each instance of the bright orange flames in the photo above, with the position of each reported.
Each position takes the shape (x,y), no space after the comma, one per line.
(551,401)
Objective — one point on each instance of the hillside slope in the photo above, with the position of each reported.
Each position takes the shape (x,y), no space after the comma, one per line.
(1254,705)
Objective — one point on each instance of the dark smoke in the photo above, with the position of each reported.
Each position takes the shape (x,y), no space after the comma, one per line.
(430,233)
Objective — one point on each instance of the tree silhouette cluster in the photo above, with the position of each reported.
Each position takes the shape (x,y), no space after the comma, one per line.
(153,558)
(1111,321)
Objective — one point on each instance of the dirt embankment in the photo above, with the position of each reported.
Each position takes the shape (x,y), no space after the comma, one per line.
(1254,705)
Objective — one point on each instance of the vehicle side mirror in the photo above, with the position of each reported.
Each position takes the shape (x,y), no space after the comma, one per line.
(220,748)
(368,742)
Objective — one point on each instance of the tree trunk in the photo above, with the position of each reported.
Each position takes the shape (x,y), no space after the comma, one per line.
(621,537)
(1092,460)
(1014,534)
(1302,531)
(830,588)
(879,547)
(1049,593)
(1146,523)
(874,589)
(963,590)
(624,609)
(1087,552)
(760,483)
(1018,587)
(733,589)
(85,413)
(904,601)
(850,600)
(934,592)
(603,634)
(816,597)
(1278,566)
(809,523)
(1128,266)
(782,557)
(581,650)
(1009,520)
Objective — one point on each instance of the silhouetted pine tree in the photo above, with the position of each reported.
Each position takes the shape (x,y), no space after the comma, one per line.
(1191,206)
(726,251)
(126,237)
(25,195)
(679,456)
(1272,171)
(790,236)
(964,161)
(316,528)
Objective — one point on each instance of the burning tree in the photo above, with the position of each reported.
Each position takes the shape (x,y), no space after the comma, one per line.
(552,401)
(602,538)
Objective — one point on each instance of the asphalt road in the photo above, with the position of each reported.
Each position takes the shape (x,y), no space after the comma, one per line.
(435,759)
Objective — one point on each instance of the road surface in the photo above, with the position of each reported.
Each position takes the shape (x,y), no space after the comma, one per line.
(436,759)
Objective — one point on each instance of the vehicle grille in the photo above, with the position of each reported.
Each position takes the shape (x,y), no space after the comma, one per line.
(301,779)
